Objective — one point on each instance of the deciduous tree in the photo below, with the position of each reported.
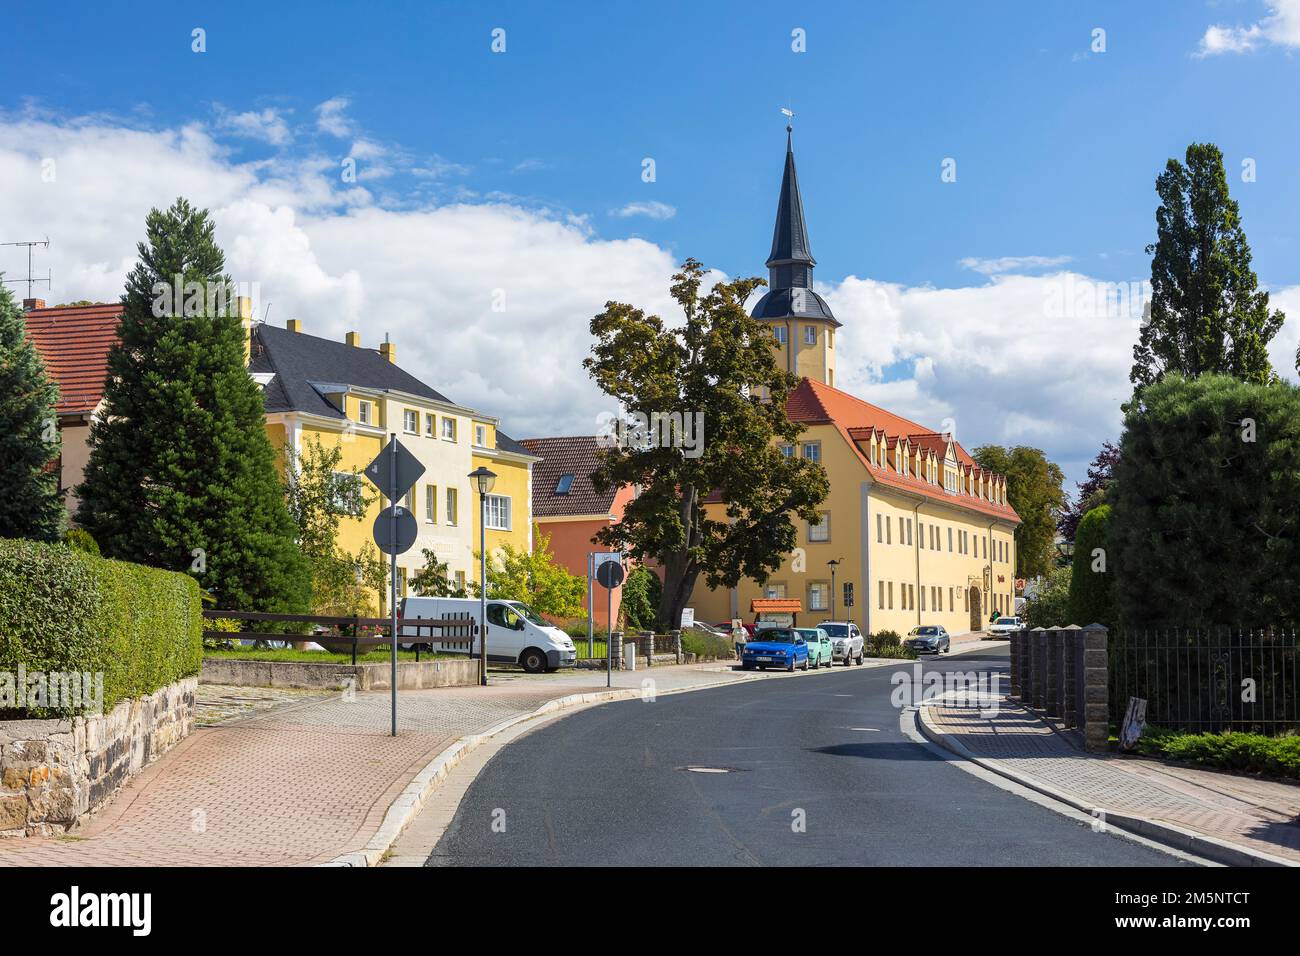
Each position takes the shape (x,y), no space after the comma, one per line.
(1034,490)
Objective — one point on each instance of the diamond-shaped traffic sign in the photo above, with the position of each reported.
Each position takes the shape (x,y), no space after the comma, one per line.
(394,470)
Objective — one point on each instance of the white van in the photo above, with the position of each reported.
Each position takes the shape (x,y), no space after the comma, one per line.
(516,633)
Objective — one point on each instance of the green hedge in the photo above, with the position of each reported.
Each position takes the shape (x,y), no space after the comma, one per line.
(1249,753)
(63,610)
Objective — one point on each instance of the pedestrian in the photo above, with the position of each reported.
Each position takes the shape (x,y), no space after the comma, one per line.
(739,637)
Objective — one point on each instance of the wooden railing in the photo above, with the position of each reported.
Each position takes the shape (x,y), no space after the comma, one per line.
(455,634)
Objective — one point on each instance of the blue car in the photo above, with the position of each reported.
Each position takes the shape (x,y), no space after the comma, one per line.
(776,647)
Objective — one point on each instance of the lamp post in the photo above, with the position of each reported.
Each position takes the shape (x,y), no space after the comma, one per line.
(484,480)
(833,563)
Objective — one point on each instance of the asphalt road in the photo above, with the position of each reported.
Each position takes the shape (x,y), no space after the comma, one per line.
(818,774)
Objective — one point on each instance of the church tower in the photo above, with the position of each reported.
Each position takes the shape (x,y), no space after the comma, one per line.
(800,319)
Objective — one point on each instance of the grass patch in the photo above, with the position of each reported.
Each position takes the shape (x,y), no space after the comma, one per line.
(380,655)
(1244,753)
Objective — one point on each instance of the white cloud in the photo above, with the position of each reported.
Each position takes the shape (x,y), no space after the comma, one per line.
(331,117)
(267,125)
(1281,27)
(1016,359)
(652,209)
(990,267)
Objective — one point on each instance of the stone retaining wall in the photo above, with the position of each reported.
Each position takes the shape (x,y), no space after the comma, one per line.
(54,773)
(411,675)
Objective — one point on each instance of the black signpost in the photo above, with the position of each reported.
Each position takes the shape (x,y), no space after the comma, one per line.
(393,472)
(609,572)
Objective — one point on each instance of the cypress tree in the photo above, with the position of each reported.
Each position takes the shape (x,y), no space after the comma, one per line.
(1207,312)
(1091,592)
(182,474)
(29,435)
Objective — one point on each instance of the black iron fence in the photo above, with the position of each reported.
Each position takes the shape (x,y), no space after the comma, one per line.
(1209,680)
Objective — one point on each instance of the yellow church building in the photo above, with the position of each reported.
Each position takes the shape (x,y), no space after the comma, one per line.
(913,531)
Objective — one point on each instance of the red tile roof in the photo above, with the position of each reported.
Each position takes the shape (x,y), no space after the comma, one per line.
(813,403)
(775,605)
(74,341)
(575,456)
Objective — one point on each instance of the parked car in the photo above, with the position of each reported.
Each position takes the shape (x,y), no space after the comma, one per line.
(776,647)
(1004,626)
(846,641)
(516,633)
(820,651)
(928,639)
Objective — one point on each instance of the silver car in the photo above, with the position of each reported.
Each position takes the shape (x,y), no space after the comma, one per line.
(846,641)
(928,639)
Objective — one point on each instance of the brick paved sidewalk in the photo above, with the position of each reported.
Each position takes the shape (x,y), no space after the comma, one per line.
(286,778)
(1257,815)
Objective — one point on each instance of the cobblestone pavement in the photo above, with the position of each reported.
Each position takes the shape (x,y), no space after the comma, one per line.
(288,777)
(1258,814)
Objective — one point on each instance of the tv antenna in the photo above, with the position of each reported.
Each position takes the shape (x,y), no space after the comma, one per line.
(30,278)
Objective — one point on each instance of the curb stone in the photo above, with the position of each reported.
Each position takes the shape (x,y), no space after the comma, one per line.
(1211,848)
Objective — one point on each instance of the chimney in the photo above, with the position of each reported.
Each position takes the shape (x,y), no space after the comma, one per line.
(245,306)
(354,339)
(29,304)
(293,325)
(388,350)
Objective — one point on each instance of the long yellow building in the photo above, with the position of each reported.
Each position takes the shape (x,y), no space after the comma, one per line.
(345,395)
(918,532)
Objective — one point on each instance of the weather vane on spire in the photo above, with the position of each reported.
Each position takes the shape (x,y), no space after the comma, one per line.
(789,115)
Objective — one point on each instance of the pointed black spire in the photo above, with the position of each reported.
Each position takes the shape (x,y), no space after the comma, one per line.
(790,266)
(791,263)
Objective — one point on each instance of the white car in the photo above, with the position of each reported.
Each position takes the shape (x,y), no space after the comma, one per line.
(516,633)
(1003,626)
(846,641)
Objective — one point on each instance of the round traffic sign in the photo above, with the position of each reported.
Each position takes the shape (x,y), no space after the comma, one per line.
(609,574)
(399,538)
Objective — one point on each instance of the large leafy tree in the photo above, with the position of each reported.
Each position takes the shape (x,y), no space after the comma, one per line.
(1207,311)
(181,473)
(1204,522)
(1092,491)
(30,506)
(535,578)
(320,493)
(1034,490)
(718,364)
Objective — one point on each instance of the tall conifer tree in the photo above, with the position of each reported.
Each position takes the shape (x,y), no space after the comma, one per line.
(29,436)
(181,472)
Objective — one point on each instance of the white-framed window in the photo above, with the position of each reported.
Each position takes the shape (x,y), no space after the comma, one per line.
(787,451)
(347,493)
(431,504)
(817,599)
(821,531)
(480,436)
(780,332)
(453,507)
(498,512)
(460,580)
(408,501)
(774,590)
(810,335)
(430,425)
(363,412)
(812,450)
(448,428)
(411,421)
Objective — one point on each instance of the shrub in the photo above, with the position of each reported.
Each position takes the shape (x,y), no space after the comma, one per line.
(79,539)
(1049,607)
(885,638)
(887,644)
(1091,590)
(706,644)
(1248,753)
(640,602)
(65,611)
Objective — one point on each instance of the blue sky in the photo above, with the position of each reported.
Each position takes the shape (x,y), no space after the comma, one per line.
(1056,145)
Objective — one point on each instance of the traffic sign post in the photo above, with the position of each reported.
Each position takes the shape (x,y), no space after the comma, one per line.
(609,572)
(393,472)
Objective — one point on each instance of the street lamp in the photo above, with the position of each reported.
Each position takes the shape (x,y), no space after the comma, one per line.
(484,480)
(833,563)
